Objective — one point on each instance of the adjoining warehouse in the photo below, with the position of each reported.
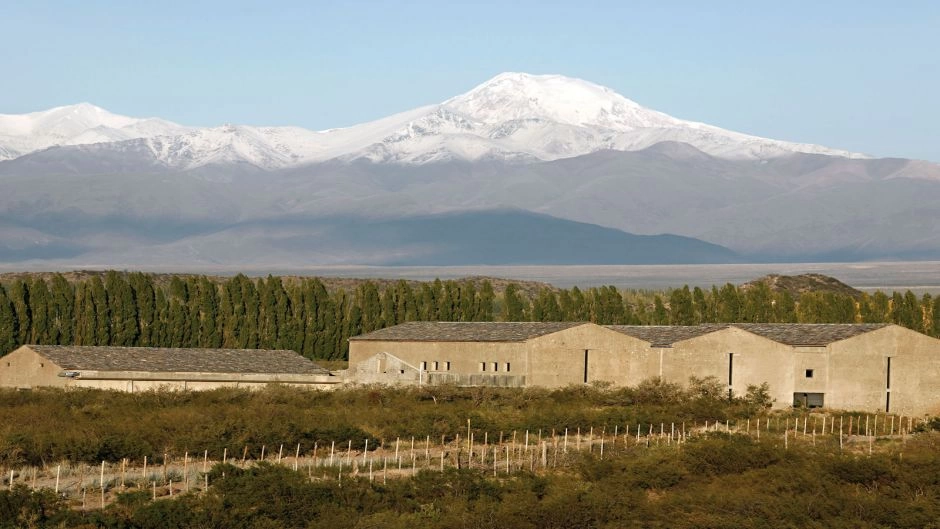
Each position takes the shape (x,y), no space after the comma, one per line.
(851,366)
(143,368)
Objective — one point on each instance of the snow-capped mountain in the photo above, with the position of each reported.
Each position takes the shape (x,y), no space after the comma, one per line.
(514,116)
(454,182)
(80,124)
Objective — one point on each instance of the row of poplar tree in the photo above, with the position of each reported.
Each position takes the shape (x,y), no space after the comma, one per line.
(134,309)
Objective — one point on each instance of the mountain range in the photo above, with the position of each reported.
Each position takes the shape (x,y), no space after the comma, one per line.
(521,169)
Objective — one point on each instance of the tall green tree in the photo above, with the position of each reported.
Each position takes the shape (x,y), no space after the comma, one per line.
(19,297)
(62,310)
(681,307)
(514,306)
(123,310)
(7,323)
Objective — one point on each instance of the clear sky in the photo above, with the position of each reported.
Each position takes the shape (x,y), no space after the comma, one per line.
(858,75)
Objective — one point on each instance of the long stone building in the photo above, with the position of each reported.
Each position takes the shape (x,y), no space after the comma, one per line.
(845,366)
(144,368)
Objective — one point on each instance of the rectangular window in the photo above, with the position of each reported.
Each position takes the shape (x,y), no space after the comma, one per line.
(436,366)
(495,367)
(507,367)
(809,373)
(482,366)
(447,366)
(424,366)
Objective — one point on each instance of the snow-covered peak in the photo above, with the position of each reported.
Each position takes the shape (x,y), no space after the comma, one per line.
(78,124)
(554,98)
(513,116)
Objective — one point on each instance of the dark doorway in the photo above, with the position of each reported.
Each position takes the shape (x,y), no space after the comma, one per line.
(809,400)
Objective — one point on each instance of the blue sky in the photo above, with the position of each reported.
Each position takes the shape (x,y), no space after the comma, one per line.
(858,75)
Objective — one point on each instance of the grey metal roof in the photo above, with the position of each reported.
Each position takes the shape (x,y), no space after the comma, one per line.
(447,331)
(809,334)
(665,335)
(162,360)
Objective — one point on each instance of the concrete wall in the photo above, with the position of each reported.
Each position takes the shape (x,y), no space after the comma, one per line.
(24,368)
(383,368)
(558,359)
(464,357)
(858,372)
(754,360)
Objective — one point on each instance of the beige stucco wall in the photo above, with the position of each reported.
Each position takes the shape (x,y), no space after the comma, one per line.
(557,359)
(464,357)
(858,372)
(755,360)
(24,368)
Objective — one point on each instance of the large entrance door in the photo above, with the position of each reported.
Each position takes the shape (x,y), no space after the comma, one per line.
(809,400)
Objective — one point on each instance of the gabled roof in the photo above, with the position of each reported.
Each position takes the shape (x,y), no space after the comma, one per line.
(793,334)
(448,331)
(665,335)
(809,334)
(155,359)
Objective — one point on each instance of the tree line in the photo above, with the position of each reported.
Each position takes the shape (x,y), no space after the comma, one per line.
(133,309)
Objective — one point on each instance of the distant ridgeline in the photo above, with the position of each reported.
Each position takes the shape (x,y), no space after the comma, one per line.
(315,317)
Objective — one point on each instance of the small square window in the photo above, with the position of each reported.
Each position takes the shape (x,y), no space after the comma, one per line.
(424,366)
(401,371)
(809,373)
(42,365)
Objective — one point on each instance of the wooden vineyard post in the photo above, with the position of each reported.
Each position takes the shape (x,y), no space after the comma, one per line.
(296,457)
(101,482)
(58,471)
(840,433)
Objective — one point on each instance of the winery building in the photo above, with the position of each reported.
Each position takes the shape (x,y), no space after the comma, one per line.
(872,367)
(145,368)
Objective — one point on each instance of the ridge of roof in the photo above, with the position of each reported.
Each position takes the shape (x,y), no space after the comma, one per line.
(794,334)
(809,334)
(465,331)
(666,335)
